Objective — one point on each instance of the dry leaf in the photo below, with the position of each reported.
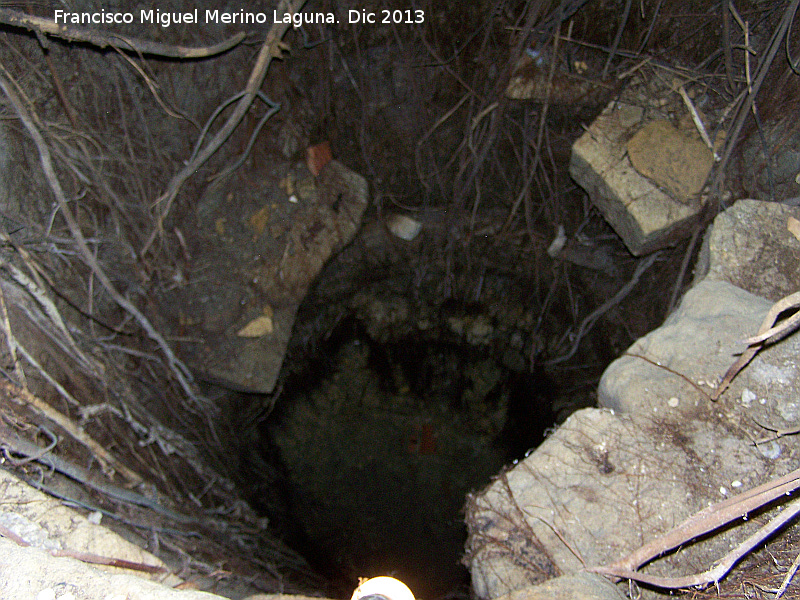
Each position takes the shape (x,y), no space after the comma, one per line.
(260,326)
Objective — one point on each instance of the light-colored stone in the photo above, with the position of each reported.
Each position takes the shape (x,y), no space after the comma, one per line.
(604,484)
(645,217)
(403,226)
(699,341)
(27,572)
(609,480)
(44,522)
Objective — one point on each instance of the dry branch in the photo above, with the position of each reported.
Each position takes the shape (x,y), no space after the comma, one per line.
(747,101)
(766,333)
(103,39)
(13,444)
(587,324)
(104,457)
(707,520)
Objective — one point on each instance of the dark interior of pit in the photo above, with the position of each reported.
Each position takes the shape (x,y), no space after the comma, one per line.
(417,370)
(398,398)
(374,447)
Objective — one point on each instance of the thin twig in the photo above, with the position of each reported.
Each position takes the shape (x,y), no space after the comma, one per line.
(274,107)
(787,326)
(587,324)
(687,256)
(668,369)
(745,104)
(105,458)
(539,134)
(612,52)
(779,433)
(11,443)
(707,520)
(11,342)
(726,44)
(720,568)
(788,578)
(765,333)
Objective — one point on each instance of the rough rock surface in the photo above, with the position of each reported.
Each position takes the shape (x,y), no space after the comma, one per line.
(611,479)
(37,574)
(607,483)
(47,526)
(251,250)
(750,247)
(699,342)
(673,160)
(582,586)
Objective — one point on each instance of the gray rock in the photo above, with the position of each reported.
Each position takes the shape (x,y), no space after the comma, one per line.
(610,480)
(37,574)
(698,342)
(255,251)
(603,485)
(749,246)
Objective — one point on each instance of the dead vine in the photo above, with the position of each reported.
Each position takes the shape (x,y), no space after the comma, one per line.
(745,103)
(177,367)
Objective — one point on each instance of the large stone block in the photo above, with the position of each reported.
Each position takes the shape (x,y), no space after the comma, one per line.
(655,203)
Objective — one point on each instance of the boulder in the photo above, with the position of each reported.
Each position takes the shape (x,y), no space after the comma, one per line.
(658,450)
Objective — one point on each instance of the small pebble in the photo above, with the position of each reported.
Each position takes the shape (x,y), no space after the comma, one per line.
(673,402)
(747,397)
(736,483)
(723,491)
(48,594)
(771,450)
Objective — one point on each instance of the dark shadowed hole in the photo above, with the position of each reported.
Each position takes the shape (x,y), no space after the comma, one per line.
(373,448)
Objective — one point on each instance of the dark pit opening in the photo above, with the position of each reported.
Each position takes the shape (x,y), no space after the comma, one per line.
(400,395)
(375,446)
